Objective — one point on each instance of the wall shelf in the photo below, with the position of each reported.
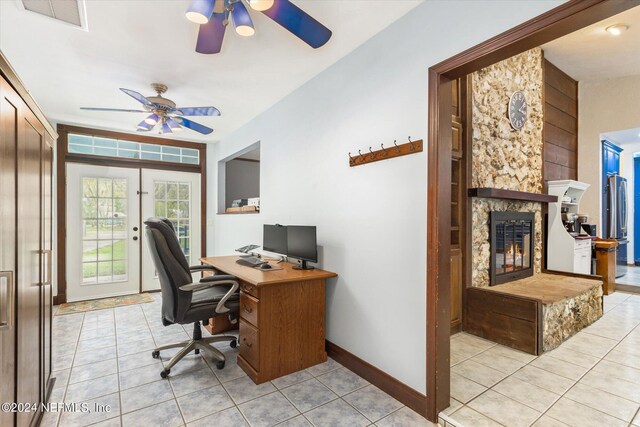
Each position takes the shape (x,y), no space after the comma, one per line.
(498,193)
(239,213)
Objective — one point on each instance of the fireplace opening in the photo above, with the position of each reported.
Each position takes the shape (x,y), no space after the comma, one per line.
(512,236)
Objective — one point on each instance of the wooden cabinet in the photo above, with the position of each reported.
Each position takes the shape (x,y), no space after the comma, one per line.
(9,117)
(458,199)
(456,287)
(282,329)
(26,164)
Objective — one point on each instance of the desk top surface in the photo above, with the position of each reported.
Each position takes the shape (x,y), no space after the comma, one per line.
(228,264)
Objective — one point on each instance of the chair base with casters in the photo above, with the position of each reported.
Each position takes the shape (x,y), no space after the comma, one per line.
(196,344)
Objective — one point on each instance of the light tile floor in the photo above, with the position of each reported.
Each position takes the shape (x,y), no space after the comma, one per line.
(104,358)
(631,277)
(592,379)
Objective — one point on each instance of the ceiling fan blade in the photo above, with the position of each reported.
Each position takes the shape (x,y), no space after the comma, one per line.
(193,125)
(299,23)
(197,111)
(138,97)
(211,35)
(112,109)
(144,126)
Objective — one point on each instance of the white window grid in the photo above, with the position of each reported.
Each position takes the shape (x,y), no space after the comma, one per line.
(96,146)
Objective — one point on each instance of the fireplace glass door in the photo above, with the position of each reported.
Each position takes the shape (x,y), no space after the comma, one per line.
(512,237)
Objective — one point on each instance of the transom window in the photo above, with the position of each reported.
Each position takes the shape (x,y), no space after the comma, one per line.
(97,146)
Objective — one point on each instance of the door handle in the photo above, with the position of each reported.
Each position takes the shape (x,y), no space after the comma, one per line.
(6,300)
(46,266)
(135,228)
(135,237)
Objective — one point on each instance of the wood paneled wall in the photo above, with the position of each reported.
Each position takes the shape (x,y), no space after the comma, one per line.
(560,130)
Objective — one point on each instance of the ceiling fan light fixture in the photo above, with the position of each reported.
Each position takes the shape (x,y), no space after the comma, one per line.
(261,5)
(173,125)
(143,125)
(152,119)
(241,20)
(200,11)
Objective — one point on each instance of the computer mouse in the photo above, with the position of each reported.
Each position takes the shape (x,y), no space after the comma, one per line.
(265,267)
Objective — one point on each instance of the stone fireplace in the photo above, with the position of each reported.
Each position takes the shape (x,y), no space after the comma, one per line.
(503,158)
(512,248)
(509,299)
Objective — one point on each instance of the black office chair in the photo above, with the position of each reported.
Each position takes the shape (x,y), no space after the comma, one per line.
(186,302)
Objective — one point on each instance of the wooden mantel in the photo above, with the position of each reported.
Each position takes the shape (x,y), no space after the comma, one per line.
(497,193)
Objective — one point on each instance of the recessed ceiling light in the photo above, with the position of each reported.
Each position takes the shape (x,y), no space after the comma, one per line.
(616,29)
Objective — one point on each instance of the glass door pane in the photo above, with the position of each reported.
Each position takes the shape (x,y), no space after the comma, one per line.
(104,230)
(172,200)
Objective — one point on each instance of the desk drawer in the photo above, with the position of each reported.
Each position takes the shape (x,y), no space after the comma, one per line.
(250,344)
(249,308)
(249,289)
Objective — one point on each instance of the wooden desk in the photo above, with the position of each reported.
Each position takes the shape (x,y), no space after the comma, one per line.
(282,317)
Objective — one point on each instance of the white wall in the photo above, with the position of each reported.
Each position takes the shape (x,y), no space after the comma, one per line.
(242,180)
(627,171)
(603,106)
(371,219)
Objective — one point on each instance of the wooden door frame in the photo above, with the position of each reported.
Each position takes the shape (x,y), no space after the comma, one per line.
(557,22)
(63,157)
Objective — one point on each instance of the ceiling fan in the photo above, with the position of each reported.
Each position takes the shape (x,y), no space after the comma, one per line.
(164,112)
(214,16)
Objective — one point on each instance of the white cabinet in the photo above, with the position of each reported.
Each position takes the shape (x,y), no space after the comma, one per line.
(582,259)
(565,252)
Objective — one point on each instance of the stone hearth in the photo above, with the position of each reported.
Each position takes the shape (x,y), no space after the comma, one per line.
(569,304)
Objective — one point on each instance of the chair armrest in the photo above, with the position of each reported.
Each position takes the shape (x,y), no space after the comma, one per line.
(209,282)
(202,267)
(217,277)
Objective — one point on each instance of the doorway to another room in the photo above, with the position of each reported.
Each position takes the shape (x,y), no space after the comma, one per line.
(111,183)
(621,196)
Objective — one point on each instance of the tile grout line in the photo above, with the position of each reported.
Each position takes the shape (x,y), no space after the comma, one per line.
(634,417)
(117,332)
(146,319)
(528,363)
(66,386)
(575,381)
(589,370)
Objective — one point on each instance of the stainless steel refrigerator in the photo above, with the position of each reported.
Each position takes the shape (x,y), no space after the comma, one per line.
(617,217)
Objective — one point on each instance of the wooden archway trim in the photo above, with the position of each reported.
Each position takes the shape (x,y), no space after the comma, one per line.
(560,21)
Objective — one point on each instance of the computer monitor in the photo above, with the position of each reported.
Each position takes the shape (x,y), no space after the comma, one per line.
(274,239)
(301,244)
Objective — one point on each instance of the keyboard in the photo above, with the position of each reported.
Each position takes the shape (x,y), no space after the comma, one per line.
(251,261)
(247,249)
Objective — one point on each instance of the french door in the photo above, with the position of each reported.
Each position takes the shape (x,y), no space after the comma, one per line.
(106,208)
(103,236)
(176,196)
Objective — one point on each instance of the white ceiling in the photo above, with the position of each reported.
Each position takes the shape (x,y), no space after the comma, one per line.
(132,43)
(593,54)
(622,137)
(251,155)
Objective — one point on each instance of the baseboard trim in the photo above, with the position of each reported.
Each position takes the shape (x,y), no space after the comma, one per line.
(385,382)
(628,288)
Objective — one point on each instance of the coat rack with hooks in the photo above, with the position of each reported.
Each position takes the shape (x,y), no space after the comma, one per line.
(385,153)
